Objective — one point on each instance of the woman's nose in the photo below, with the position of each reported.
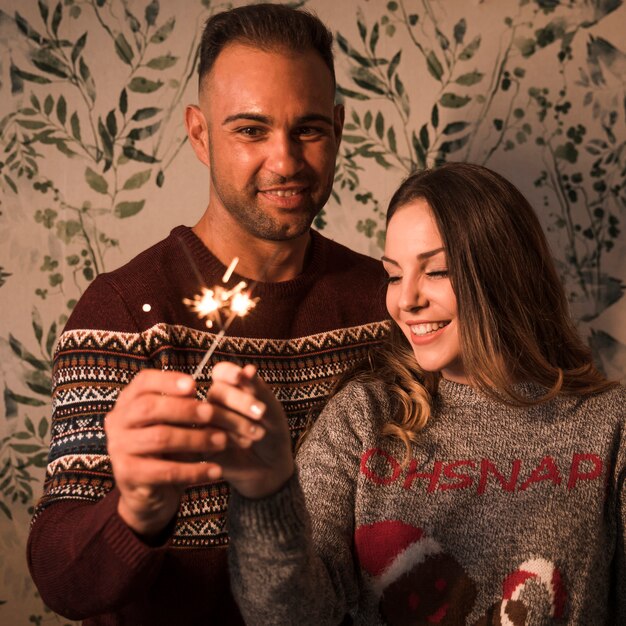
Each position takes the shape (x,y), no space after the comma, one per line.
(412,297)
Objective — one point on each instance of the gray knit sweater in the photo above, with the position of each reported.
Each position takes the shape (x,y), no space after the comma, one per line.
(502,516)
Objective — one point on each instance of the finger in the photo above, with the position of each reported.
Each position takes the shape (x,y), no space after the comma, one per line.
(153,408)
(157,381)
(153,472)
(242,441)
(250,381)
(247,380)
(226,372)
(236,399)
(246,377)
(235,424)
(164,439)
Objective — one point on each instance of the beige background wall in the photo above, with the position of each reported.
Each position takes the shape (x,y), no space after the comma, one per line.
(94,167)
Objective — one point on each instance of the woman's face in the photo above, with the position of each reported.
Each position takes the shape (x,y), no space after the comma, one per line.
(420,298)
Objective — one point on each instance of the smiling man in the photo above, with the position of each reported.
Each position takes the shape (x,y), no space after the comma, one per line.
(268,129)
(131,529)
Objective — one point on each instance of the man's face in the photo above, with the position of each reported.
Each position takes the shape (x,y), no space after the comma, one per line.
(273,136)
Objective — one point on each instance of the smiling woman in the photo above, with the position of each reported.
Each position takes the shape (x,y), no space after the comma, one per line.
(484,402)
(420,297)
(482,279)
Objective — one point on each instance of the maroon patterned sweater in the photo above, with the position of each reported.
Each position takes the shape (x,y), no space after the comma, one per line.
(302,335)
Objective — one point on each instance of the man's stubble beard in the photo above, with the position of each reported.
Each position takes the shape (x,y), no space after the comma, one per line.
(244,208)
(262,226)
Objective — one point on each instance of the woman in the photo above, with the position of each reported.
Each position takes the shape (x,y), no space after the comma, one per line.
(475,474)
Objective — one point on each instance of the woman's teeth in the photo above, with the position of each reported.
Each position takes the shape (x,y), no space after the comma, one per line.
(430,327)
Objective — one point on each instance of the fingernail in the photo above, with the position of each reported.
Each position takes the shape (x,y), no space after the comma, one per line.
(184,384)
(244,442)
(250,371)
(257,409)
(256,431)
(214,473)
(218,439)
(203,410)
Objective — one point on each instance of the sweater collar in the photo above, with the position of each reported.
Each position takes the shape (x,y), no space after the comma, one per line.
(209,265)
(452,394)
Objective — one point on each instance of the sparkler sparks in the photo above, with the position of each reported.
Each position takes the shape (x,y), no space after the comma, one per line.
(215,303)
(211,303)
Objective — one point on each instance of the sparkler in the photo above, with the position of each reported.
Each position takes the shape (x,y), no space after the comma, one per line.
(216,302)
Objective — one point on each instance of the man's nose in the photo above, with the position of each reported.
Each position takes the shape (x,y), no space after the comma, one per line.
(284,155)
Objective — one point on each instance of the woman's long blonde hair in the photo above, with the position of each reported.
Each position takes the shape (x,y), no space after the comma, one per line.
(514,322)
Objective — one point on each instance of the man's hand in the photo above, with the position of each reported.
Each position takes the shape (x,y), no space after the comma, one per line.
(260,467)
(158,437)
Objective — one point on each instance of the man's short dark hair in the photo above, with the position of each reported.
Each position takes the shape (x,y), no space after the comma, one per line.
(266,27)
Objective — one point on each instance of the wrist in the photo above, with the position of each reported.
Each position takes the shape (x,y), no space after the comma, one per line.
(267,487)
(148,526)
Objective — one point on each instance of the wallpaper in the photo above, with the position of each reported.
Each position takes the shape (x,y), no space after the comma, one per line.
(94,164)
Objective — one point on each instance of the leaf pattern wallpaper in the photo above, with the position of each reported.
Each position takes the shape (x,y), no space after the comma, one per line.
(94,165)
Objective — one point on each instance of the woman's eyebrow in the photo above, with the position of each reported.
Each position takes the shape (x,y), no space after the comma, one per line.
(426,255)
(422,256)
(386,259)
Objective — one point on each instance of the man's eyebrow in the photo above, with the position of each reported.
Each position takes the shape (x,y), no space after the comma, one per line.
(250,117)
(314,117)
(266,119)
(422,256)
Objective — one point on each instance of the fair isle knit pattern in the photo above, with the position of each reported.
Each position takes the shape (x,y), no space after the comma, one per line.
(91,368)
(92,365)
(502,516)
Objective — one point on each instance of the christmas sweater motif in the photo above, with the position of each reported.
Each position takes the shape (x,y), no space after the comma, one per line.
(502,515)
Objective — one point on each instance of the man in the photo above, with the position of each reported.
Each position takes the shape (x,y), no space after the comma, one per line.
(130,529)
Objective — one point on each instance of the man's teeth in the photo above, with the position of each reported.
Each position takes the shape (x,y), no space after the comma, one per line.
(424,329)
(287,193)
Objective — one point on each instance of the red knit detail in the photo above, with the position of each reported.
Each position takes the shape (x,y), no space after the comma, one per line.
(377,545)
(560,595)
(515,580)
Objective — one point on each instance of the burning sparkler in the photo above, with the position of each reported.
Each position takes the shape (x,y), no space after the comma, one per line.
(217,302)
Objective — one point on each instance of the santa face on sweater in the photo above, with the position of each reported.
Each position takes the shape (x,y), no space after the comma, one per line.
(418,583)
(435,591)
(420,298)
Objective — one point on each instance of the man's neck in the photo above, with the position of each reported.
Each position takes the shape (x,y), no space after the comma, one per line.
(259,259)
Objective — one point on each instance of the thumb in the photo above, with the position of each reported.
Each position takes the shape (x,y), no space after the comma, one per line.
(250,381)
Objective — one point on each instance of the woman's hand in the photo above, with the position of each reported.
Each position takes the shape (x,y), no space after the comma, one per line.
(256,467)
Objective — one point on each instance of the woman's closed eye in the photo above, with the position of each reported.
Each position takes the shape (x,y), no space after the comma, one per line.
(437,274)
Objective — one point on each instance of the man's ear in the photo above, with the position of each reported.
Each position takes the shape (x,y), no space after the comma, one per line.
(339,117)
(198,132)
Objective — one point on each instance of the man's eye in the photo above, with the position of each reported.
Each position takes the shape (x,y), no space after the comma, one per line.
(393,279)
(249,131)
(308,131)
